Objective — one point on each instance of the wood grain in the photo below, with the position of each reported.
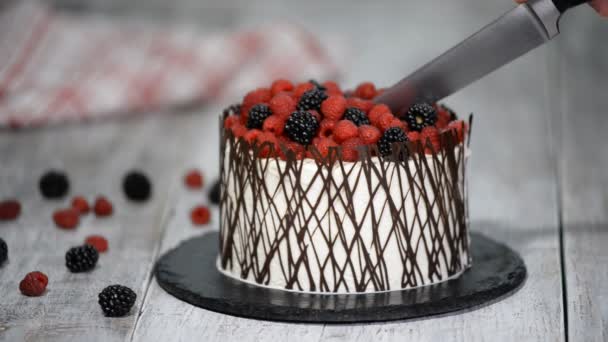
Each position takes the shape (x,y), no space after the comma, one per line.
(582,75)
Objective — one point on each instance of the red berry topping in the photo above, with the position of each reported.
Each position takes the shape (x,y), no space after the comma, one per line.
(413,136)
(369,134)
(366,90)
(239,130)
(67,218)
(377,111)
(282,105)
(289,145)
(345,129)
(332,88)
(326,128)
(443,117)
(323,144)
(33,284)
(398,123)
(302,88)
(80,203)
(349,149)
(356,102)
(460,127)
(431,134)
(200,215)
(385,121)
(9,210)
(231,120)
(193,179)
(333,107)
(274,124)
(103,207)
(280,86)
(252,135)
(260,95)
(267,150)
(98,242)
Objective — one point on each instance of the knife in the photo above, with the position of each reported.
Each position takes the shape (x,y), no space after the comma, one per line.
(518,31)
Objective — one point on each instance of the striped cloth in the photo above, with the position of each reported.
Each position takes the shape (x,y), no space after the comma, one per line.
(60,67)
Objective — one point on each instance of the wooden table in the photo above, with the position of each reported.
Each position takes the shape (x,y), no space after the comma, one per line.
(538,183)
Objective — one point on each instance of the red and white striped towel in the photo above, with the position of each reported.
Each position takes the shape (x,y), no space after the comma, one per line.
(66,67)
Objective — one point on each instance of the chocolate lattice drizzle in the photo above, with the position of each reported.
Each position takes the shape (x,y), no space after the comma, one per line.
(324,225)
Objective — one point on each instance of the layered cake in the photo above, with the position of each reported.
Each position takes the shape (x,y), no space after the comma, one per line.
(325,191)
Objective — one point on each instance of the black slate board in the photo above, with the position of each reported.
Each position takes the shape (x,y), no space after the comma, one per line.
(188,272)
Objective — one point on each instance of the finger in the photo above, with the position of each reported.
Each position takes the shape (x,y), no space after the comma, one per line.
(601,6)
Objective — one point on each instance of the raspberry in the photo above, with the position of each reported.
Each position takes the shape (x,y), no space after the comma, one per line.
(260,95)
(66,218)
(398,123)
(376,111)
(103,207)
(282,105)
(3,252)
(215,192)
(332,88)
(80,203)
(430,134)
(315,114)
(292,146)
(390,136)
(267,150)
(193,179)
(98,242)
(81,259)
(33,284)
(349,149)
(356,115)
(280,86)
(301,127)
(323,145)
(239,130)
(413,136)
(311,99)
(385,121)
(345,129)
(420,115)
(274,124)
(356,102)
(326,128)
(443,118)
(333,107)
(460,127)
(369,134)
(9,210)
(200,215)
(366,90)
(54,184)
(302,88)
(252,135)
(257,115)
(137,186)
(116,300)
(231,120)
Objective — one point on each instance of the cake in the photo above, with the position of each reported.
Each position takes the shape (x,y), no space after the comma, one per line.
(325,191)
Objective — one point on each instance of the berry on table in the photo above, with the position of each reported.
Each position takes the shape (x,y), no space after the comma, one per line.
(116,300)
(54,184)
(311,99)
(357,116)
(390,136)
(67,218)
(215,192)
(9,210)
(345,129)
(301,127)
(419,116)
(193,179)
(333,107)
(33,284)
(81,259)
(257,115)
(137,186)
(98,242)
(103,207)
(3,251)
(80,203)
(200,215)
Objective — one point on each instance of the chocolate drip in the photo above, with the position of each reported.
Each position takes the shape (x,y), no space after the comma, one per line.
(319,248)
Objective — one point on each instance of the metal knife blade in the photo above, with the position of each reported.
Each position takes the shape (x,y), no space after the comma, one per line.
(518,31)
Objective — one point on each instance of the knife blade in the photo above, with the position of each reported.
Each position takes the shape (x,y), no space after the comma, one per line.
(517,32)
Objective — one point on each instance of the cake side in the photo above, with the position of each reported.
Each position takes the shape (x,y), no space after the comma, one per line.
(328,225)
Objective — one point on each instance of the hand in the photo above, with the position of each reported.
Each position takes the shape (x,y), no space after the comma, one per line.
(601,6)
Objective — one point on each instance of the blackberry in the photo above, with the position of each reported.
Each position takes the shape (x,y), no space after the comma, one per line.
(453,116)
(257,115)
(116,300)
(311,100)
(214,193)
(137,186)
(318,85)
(54,184)
(301,127)
(81,259)
(356,115)
(235,109)
(420,115)
(390,136)
(3,252)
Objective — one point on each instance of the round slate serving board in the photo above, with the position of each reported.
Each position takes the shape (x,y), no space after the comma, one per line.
(188,272)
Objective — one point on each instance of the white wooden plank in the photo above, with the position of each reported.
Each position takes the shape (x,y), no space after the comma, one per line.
(513,185)
(582,70)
